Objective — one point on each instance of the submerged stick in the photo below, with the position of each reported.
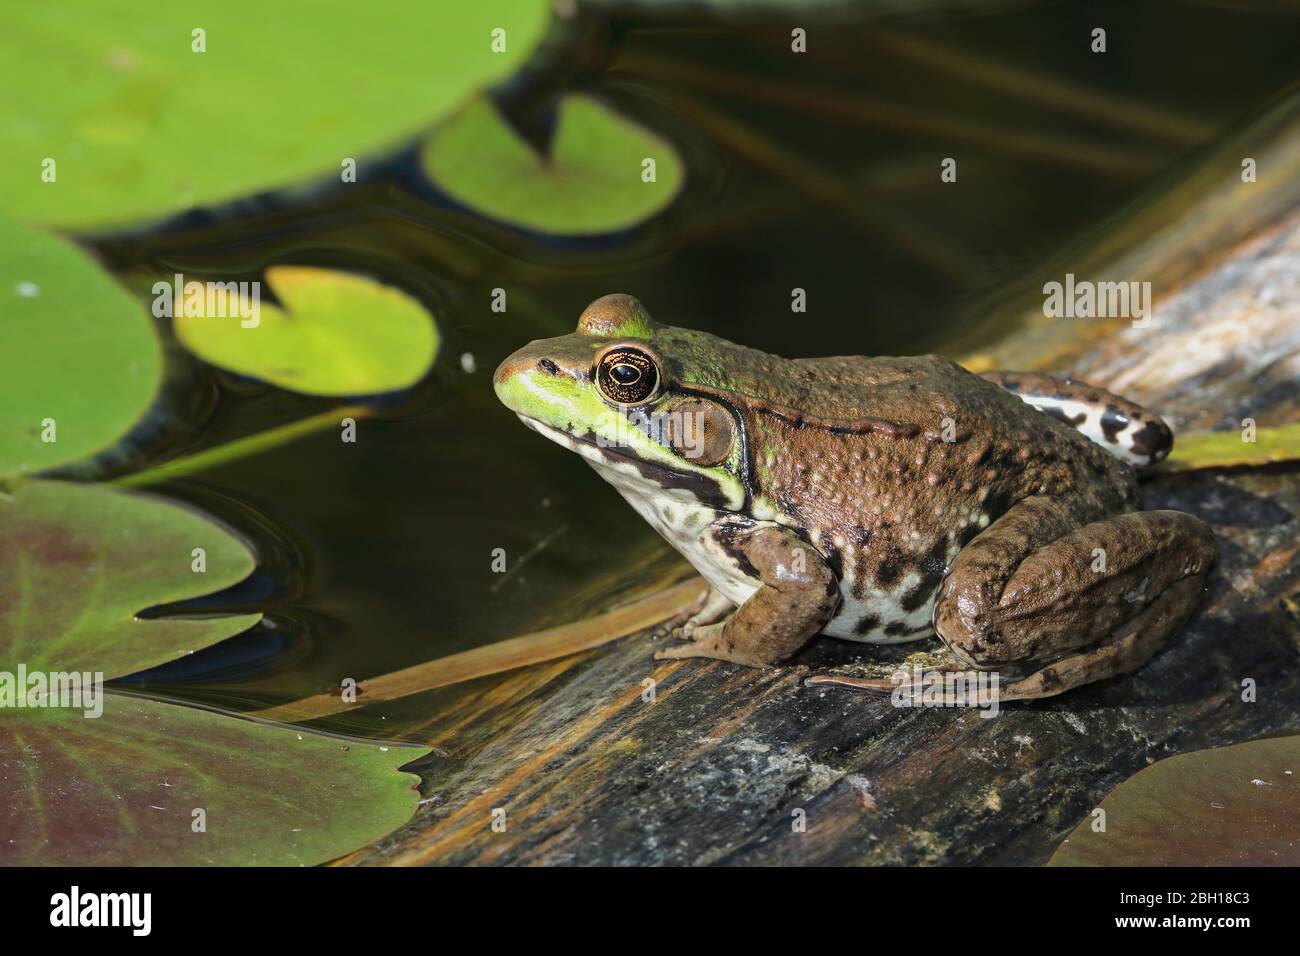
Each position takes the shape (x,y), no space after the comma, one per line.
(498,657)
(240,447)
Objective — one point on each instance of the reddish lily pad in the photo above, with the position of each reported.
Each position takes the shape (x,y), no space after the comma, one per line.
(79,562)
(149,783)
(1231,806)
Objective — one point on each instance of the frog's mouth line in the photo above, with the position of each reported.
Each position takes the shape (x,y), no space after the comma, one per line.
(701,487)
(586,447)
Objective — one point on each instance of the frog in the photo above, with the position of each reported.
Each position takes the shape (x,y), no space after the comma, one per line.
(876,499)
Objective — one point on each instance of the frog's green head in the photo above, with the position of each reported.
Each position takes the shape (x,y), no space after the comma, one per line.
(633,398)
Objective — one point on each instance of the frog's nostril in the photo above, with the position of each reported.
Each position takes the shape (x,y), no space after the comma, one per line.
(546,365)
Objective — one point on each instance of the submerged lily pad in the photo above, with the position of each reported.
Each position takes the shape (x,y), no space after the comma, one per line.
(338,334)
(1231,806)
(590,181)
(78,562)
(123,789)
(141,123)
(80,360)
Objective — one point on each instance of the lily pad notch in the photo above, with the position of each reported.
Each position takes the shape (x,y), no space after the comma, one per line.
(602,173)
(337,334)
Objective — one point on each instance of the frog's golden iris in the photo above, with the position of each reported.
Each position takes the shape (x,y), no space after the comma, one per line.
(627,376)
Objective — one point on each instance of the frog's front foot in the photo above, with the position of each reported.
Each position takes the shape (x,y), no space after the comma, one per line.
(704,608)
(794,600)
(1051,605)
(711,610)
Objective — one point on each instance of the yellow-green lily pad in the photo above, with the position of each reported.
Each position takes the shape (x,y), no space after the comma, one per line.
(149,109)
(338,334)
(149,784)
(1229,449)
(80,360)
(1231,806)
(79,562)
(592,179)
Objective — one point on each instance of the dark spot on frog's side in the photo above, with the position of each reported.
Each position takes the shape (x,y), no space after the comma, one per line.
(891,567)
(933,567)
(1113,421)
(727,536)
(1074,421)
(834,560)
(1154,439)
(866,624)
(900,629)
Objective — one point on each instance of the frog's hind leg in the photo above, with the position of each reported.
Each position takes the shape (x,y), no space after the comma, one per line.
(1123,428)
(1053,605)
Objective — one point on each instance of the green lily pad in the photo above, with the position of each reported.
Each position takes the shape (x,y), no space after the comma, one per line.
(140,125)
(78,562)
(1230,806)
(1227,450)
(589,182)
(339,334)
(80,360)
(122,789)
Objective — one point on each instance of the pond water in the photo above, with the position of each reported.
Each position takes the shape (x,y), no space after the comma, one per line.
(813,172)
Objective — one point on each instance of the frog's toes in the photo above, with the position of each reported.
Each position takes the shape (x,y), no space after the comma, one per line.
(869,685)
(686,632)
(696,639)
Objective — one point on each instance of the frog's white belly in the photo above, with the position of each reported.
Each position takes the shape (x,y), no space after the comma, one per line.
(868,601)
(683,522)
(882,605)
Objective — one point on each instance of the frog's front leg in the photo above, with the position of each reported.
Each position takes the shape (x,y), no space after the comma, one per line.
(797,594)
(1053,604)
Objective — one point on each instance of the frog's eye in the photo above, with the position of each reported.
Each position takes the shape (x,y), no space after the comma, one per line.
(627,376)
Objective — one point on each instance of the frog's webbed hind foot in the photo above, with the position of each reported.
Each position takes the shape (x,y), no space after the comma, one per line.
(886,678)
(1057,605)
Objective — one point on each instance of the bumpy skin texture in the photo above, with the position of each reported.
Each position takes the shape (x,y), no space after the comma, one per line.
(886,470)
(1125,428)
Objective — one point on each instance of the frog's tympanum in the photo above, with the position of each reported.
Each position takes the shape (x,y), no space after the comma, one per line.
(877,499)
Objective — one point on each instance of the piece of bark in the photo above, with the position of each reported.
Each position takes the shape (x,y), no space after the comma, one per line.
(726,762)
